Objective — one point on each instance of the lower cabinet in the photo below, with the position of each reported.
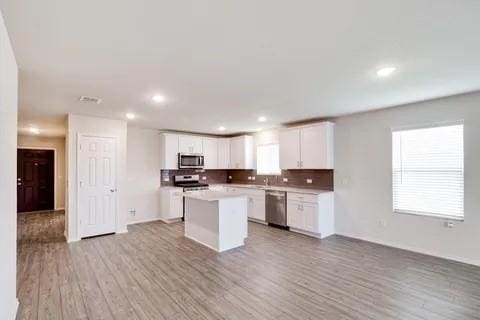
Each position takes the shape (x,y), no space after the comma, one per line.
(171,204)
(256,208)
(312,215)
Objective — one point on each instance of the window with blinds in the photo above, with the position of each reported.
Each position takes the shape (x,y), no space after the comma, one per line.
(268,159)
(428,174)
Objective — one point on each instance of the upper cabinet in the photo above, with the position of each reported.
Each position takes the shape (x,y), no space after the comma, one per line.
(223,155)
(190,144)
(307,147)
(241,153)
(169,151)
(210,153)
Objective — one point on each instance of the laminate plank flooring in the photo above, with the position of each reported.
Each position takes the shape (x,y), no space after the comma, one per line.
(154,272)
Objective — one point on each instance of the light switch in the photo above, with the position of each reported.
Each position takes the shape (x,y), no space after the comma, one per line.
(229,177)
(204,178)
(285,179)
(253,178)
(309,181)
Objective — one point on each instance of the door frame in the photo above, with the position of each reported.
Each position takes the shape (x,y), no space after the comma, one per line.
(77,195)
(54,170)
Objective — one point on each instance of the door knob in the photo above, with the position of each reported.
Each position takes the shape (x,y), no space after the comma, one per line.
(113,190)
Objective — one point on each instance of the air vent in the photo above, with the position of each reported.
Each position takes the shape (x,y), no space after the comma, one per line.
(90,99)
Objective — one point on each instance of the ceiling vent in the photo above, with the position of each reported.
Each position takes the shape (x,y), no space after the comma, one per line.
(90,99)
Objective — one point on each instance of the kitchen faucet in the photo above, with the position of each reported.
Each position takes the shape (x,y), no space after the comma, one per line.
(266,181)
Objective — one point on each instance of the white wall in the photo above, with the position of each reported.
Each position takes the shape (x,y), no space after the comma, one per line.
(57,143)
(143,174)
(8,176)
(363,184)
(102,127)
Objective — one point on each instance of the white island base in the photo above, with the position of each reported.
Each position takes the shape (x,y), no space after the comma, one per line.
(215,219)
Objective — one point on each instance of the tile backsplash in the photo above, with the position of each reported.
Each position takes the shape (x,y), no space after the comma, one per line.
(319,179)
(314,179)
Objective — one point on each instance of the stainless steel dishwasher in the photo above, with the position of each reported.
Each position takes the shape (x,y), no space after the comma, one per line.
(276,207)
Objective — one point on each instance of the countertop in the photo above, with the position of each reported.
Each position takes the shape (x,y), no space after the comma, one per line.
(276,188)
(211,195)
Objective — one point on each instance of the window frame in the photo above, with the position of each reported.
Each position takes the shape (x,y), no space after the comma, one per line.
(279,173)
(428,126)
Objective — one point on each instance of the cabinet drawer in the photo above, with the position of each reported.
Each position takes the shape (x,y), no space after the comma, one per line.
(302,197)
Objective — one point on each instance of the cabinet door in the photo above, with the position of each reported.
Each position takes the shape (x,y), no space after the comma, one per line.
(176,205)
(314,147)
(258,209)
(289,145)
(170,152)
(295,218)
(223,153)
(236,146)
(311,218)
(190,144)
(210,152)
(251,207)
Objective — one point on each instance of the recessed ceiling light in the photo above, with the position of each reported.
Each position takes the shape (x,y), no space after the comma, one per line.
(158,98)
(130,116)
(221,128)
(262,119)
(34,130)
(385,72)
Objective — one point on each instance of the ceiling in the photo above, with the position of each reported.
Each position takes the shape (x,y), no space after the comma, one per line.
(225,63)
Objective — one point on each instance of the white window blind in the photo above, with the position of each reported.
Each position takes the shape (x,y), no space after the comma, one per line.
(428,175)
(268,159)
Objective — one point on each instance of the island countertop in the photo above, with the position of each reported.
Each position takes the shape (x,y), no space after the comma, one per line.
(211,195)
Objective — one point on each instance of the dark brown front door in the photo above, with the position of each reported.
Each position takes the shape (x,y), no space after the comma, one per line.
(35,178)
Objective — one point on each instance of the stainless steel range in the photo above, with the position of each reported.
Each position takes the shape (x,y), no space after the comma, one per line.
(189,183)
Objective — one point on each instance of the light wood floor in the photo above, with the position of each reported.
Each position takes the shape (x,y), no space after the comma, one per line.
(153,272)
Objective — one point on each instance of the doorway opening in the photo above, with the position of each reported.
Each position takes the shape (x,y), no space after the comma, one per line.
(35,180)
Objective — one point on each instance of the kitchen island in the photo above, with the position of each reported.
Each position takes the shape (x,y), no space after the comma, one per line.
(216,219)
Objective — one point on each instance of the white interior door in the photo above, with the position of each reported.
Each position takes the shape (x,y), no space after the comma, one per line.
(97,185)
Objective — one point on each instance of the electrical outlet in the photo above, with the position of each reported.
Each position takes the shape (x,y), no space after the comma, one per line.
(253,178)
(204,178)
(449,224)
(132,212)
(383,223)
(249,178)
(229,177)
(285,179)
(309,181)
(166,178)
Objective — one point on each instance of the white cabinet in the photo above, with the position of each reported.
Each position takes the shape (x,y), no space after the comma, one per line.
(256,203)
(289,146)
(210,153)
(241,153)
(316,146)
(171,204)
(223,148)
(307,147)
(169,151)
(311,214)
(190,144)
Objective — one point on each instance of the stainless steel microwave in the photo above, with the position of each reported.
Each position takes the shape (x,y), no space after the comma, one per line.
(190,161)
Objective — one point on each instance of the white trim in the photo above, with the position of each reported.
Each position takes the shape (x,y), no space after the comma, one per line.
(54,170)
(117,200)
(144,221)
(431,215)
(428,125)
(412,249)
(258,221)
(122,231)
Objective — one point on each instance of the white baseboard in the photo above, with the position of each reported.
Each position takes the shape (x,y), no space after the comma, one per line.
(58,209)
(70,240)
(122,231)
(145,220)
(413,249)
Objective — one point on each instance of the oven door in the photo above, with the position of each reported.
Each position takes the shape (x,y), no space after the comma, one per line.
(190,160)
